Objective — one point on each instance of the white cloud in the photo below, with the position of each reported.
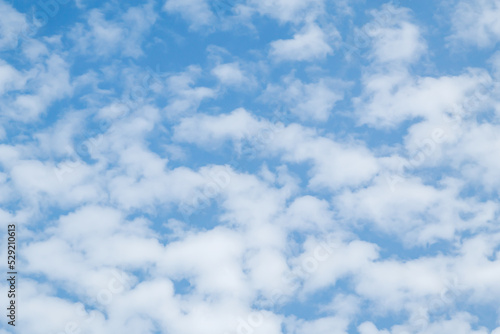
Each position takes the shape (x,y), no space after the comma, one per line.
(196,11)
(393,96)
(459,323)
(10,78)
(53,313)
(33,49)
(474,155)
(58,139)
(394,38)
(13,26)
(204,272)
(321,326)
(311,43)
(232,75)
(121,192)
(107,37)
(210,130)
(35,90)
(308,213)
(183,97)
(419,213)
(476,23)
(335,164)
(370,328)
(289,10)
(321,265)
(307,100)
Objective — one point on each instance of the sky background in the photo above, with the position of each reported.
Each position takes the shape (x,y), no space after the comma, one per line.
(251,166)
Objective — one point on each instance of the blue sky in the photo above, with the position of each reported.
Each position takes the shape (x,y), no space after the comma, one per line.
(252,166)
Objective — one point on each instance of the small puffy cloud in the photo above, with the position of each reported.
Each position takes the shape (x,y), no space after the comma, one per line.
(13,26)
(288,10)
(321,326)
(311,43)
(156,220)
(307,100)
(475,22)
(226,252)
(212,130)
(10,78)
(231,74)
(198,12)
(394,38)
(183,97)
(33,91)
(34,49)
(370,328)
(405,206)
(473,154)
(393,96)
(335,164)
(332,264)
(122,35)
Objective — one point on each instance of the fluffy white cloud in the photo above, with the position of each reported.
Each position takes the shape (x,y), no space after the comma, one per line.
(219,273)
(476,23)
(311,43)
(232,75)
(210,130)
(13,26)
(393,96)
(183,97)
(394,37)
(288,10)
(320,326)
(125,35)
(419,213)
(34,91)
(322,265)
(198,12)
(182,201)
(473,154)
(10,78)
(335,164)
(308,101)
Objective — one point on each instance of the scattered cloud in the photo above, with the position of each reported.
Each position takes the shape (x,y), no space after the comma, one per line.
(222,167)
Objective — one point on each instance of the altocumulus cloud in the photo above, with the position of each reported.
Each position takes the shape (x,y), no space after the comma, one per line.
(251,167)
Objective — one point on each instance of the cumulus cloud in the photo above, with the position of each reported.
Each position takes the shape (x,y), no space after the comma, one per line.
(13,26)
(236,174)
(393,96)
(335,163)
(196,11)
(394,37)
(307,100)
(286,11)
(183,97)
(204,129)
(475,23)
(104,37)
(311,43)
(232,75)
(32,92)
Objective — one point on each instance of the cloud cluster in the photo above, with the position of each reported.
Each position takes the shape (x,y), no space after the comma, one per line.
(224,167)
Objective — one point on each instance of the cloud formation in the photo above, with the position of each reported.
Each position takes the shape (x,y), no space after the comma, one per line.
(250,166)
